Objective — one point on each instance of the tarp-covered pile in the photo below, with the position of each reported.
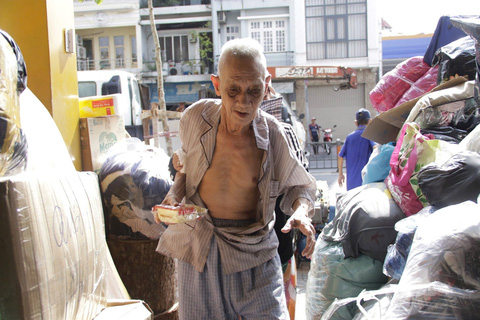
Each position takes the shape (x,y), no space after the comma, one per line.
(417,213)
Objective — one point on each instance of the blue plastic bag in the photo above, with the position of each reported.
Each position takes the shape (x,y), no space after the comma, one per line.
(377,169)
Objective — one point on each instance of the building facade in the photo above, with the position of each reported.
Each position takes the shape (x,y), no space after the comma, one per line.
(308,37)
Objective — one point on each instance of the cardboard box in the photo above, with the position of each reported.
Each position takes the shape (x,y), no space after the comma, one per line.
(52,246)
(97,136)
(126,310)
(385,127)
(98,106)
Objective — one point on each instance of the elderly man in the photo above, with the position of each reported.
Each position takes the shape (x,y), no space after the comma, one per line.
(237,161)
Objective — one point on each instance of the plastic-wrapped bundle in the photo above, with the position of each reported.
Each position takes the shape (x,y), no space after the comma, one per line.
(456,59)
(134,180)
(395,83)
(426,83)
(441,279)
(13,144)
(471,26)
(446,249)
(447,133)
(332,276)
(433,300)
(468,117)
(438,108)
(453,182)
(365,221)
(397,253)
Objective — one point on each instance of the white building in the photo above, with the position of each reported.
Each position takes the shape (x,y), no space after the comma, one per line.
(108,34)
(316,37)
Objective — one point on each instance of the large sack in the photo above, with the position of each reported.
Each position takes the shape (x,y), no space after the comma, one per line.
(133,179)
(365,221)
(438,108)
(412,152)
(453,182)
(333,276)
(396,82)
(456,59)
(426,83)
(471,25)
(13,144)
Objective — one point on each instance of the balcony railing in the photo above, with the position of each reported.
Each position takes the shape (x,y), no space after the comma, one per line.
(172,3)
(276,59)
(106,64)
(179,68)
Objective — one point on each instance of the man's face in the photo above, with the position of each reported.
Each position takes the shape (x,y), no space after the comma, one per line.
(242,87)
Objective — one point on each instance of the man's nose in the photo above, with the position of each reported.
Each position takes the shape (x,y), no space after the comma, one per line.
(244,99)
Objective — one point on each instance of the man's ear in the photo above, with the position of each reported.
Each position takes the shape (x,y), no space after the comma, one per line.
(216,83)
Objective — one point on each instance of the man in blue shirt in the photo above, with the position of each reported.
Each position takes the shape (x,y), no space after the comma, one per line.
(357,151)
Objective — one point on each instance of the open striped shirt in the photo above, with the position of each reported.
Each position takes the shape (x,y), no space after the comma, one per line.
(282,173)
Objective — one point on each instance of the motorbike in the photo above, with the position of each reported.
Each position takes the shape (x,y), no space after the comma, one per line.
(327,139)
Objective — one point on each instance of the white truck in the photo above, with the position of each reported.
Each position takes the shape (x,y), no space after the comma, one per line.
(123,86)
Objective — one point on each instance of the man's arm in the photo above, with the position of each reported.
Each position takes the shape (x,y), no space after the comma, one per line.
(341,177)
(300,220)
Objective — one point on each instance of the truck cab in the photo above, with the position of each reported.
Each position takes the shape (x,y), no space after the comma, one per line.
(124,85)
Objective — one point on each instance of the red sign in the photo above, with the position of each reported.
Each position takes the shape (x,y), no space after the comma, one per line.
(102,103)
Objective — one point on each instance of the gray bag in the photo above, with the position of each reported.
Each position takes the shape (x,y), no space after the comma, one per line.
(365,221)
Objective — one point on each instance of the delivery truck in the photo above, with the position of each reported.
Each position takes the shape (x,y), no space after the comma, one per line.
(113,92)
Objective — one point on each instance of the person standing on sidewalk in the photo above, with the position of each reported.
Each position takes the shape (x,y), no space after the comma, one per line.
(357,151)
(314,135)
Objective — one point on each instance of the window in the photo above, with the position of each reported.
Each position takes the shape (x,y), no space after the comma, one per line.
(336,29)
(119,52)
(176,48)
(270,33)
(104,43)
(232,32)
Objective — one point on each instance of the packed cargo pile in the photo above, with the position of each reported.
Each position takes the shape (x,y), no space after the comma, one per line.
(406,244)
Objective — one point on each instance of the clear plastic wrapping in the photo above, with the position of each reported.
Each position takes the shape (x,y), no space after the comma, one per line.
(179,214)
(331,277)
(441,279)
(395,83)
(12,140)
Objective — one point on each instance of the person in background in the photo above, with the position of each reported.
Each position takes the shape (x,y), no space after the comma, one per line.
(236,163)
(314,134)
(272,104)
(356,151)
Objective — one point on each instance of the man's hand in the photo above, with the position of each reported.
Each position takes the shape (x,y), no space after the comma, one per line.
(175,194)
(300,220)
(341,179)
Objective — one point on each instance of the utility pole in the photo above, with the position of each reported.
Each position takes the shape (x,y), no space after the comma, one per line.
(161,108)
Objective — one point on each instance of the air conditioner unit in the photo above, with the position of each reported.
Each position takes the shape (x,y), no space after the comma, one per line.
(222,17)
(81,52)
(81,65)
(293,104)
(79,40)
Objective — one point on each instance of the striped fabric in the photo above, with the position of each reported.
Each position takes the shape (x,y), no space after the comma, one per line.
(282,173)
(273,107)
(256,293)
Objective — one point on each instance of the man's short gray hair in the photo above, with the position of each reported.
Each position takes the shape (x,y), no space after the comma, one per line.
(244,48)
